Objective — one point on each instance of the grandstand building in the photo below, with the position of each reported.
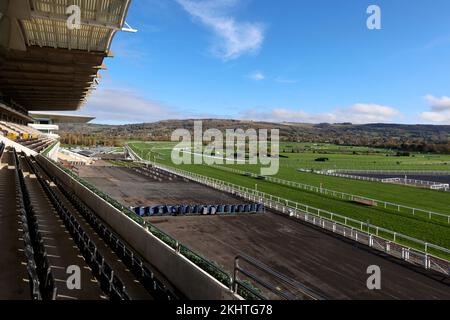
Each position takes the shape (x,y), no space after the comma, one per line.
(47,122)
(51,222)
(56,222)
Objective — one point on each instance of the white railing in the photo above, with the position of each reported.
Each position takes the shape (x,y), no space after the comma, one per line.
(431,184)
(424,253)
(409,182)
(359,231)
(342,195)
(403,172)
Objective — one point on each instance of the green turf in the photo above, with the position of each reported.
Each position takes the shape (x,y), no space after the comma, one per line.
(434,231)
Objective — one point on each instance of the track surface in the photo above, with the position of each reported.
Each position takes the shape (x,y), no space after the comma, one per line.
(330,265)
(132,189)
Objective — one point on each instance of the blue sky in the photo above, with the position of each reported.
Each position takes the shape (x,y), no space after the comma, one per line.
(285,60)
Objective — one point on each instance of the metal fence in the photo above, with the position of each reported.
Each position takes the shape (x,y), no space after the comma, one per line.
(403,172)
(276,283)
(411,182)
(342,195)
(412,250)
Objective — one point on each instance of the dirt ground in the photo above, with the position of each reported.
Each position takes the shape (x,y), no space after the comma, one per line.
(332,266)
(135,190)
(329,265)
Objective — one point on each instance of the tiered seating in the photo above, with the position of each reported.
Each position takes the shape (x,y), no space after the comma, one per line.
(187,210)
(42,283)
(8,132)
(2,148)
(35,144)
(26,136)
(132,261)
(109,282)
(157,289)
(24,132)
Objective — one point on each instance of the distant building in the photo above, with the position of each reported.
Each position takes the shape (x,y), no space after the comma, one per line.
(47,122)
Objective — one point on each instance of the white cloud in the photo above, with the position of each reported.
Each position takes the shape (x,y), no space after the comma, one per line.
(438,117)
(440,109)
(373,111)
(256,76)
(119,105)
(438,104)
(235,38)
(357,113)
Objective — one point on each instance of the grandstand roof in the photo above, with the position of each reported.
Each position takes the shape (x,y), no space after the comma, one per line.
(61,118)
(44,65)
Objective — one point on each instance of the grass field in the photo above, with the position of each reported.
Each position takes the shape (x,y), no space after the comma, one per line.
(436,231)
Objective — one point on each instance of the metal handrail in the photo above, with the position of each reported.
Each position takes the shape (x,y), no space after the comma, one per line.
(310,294)
(424,258)
(335,193)
(296,206)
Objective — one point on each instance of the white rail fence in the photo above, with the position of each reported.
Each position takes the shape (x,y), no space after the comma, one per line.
(373,236)
(431,184)
(423,254)
(342,195)
(403,172)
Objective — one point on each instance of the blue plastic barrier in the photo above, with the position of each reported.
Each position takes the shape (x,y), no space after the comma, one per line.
(139,211)
(160,210)
(180,210)
(260,208)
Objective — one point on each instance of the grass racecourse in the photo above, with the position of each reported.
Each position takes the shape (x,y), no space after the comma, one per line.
(294,156)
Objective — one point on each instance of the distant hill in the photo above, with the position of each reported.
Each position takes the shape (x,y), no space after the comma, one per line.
(423,138)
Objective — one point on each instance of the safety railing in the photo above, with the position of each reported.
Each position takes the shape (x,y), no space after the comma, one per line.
(403,172)
(429,256)
(284,287)
(342,195)
(408,182)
